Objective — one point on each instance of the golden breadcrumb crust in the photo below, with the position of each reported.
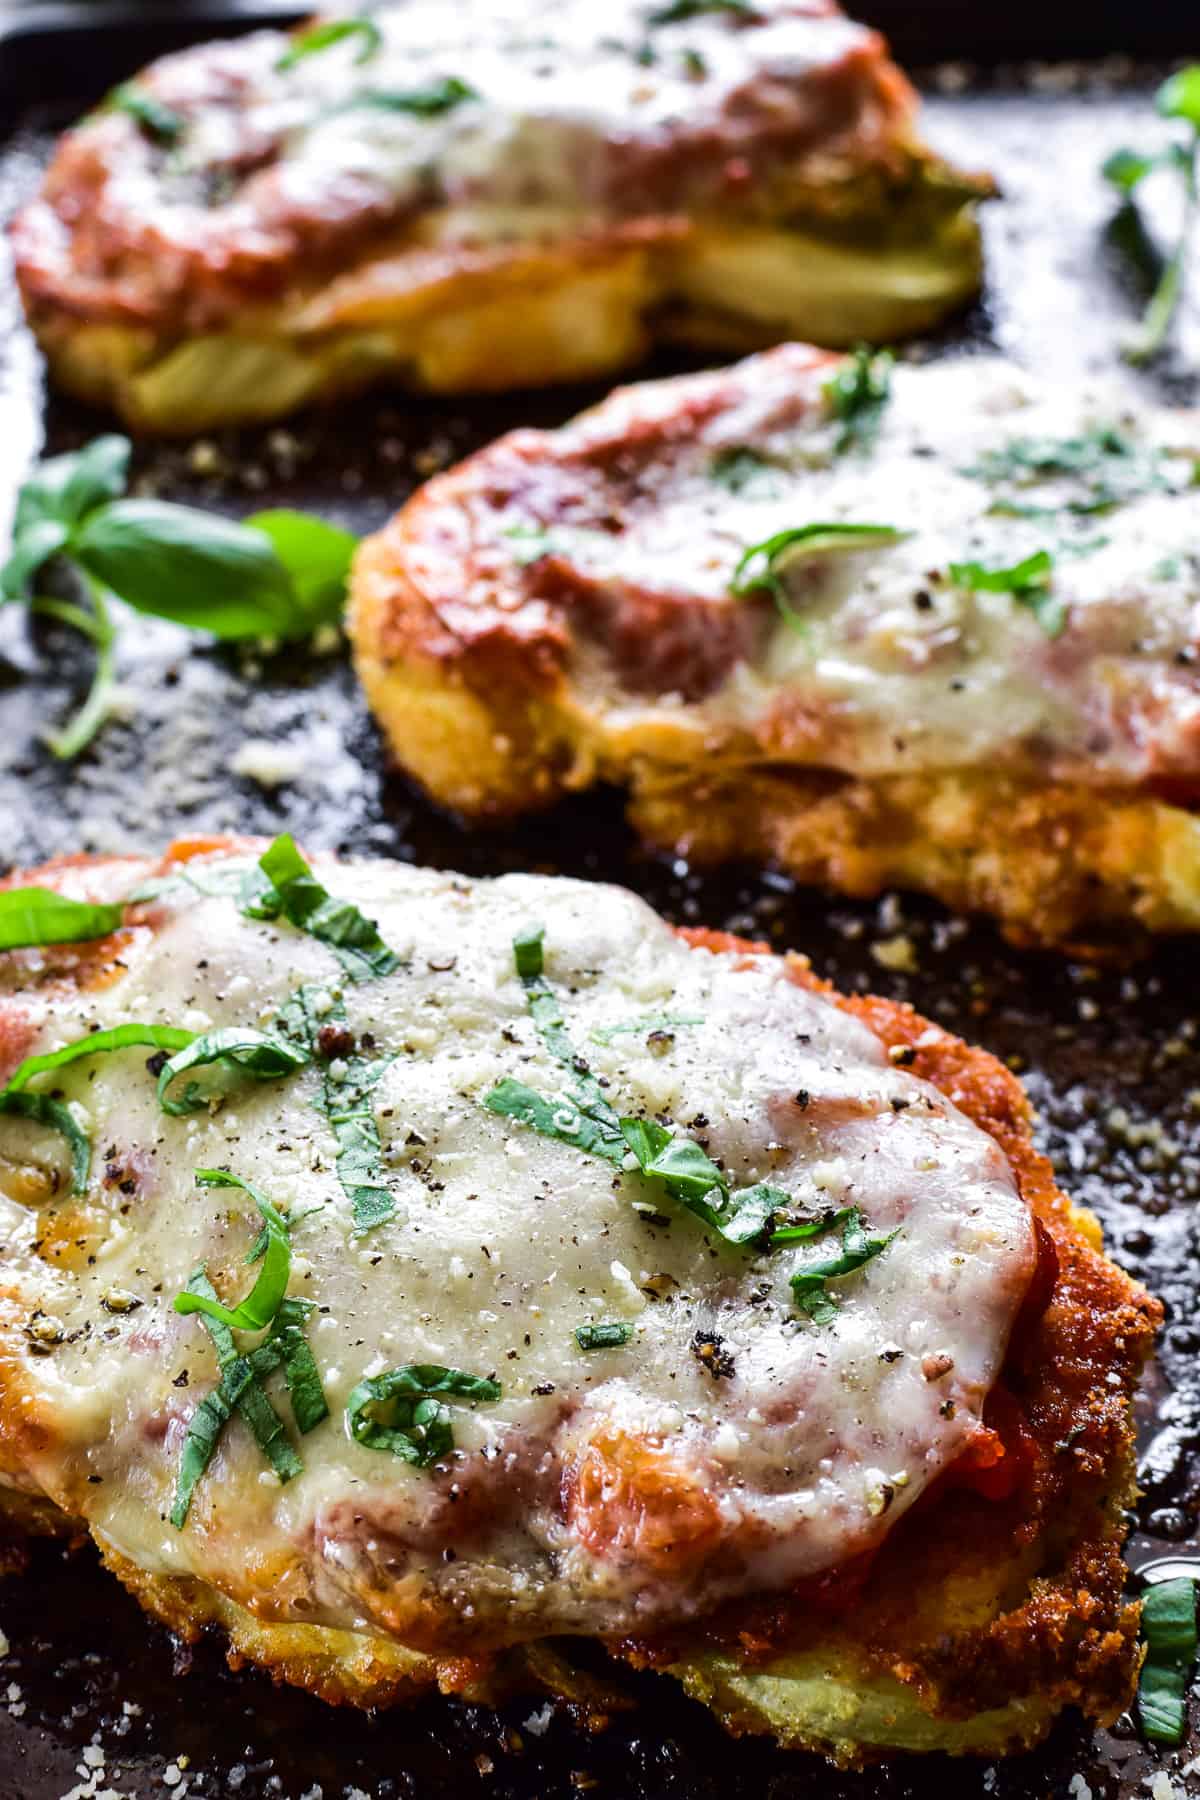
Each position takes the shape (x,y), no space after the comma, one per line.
(996,1601)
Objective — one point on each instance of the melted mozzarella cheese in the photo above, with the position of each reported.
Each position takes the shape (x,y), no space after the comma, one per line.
(557,106)
(571,1503)
(892,666)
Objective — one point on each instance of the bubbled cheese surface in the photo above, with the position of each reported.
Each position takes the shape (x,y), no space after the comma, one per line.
(604,1491)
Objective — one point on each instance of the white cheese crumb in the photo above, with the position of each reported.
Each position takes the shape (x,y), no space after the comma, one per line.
(1078,1788)
(268,763)
(172,1775)
(1163,1788)
(538,1723)
(726,1443)
(898,954)
(4,1646)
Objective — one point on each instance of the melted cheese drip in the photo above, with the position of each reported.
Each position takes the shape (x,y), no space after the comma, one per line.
(503,1243)
(895,668)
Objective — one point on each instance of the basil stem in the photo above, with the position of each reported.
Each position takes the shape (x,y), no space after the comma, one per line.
(400,1411)
(857,394)
(37,915)
(1178,98)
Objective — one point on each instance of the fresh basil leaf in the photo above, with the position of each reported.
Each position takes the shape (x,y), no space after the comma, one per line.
(749,1213)
(317,558)
(759,566)
(291,889)
(39,541)
(1179,96)
(609,1336)
(251,1052)
(333,31)
(688,1172)
(803,1231)
(857,394)
(36,915)
(67,488)
(118,1037)
(562,1119)
(345,1100)
(261,1304)
(159,121)
(810,1284)
(45,1111)
(428,102)
(400,1411)
(195,568)
(1169,1630)
(652,1022)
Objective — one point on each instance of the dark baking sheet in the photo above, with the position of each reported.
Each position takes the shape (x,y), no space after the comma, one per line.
(92,1697)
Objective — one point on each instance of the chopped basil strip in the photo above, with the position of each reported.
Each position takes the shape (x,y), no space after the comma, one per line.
(290,888)
(759,566)
(692,1178)
(429,102)
(44,1111)
(1104,468)
(240,1387)
(159,121)
(563,1119)
(857,395)
(1028,582)
(1178,98)
(254,1053)
(333,31)
(603,1337)
(678,12)
(803,1231)
(119,1037)
(36,915)
(400,1411)
(300,1371)
(810,1285)
(604,1034)
(345,1100)
(263,1301)
(1169,1630)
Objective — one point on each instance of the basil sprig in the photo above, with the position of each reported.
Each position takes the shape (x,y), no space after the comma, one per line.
(345,1100)
(252,1052)
(1169,1630)
(278,574)
(810,1285)
(759,566)
(261,1304)
(287,887)
(1177,99)
(333,31)
(402,1411)
(1028,582)
(35,915)
(857,395)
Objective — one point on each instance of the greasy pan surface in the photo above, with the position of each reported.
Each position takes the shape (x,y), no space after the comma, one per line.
(84,1670)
